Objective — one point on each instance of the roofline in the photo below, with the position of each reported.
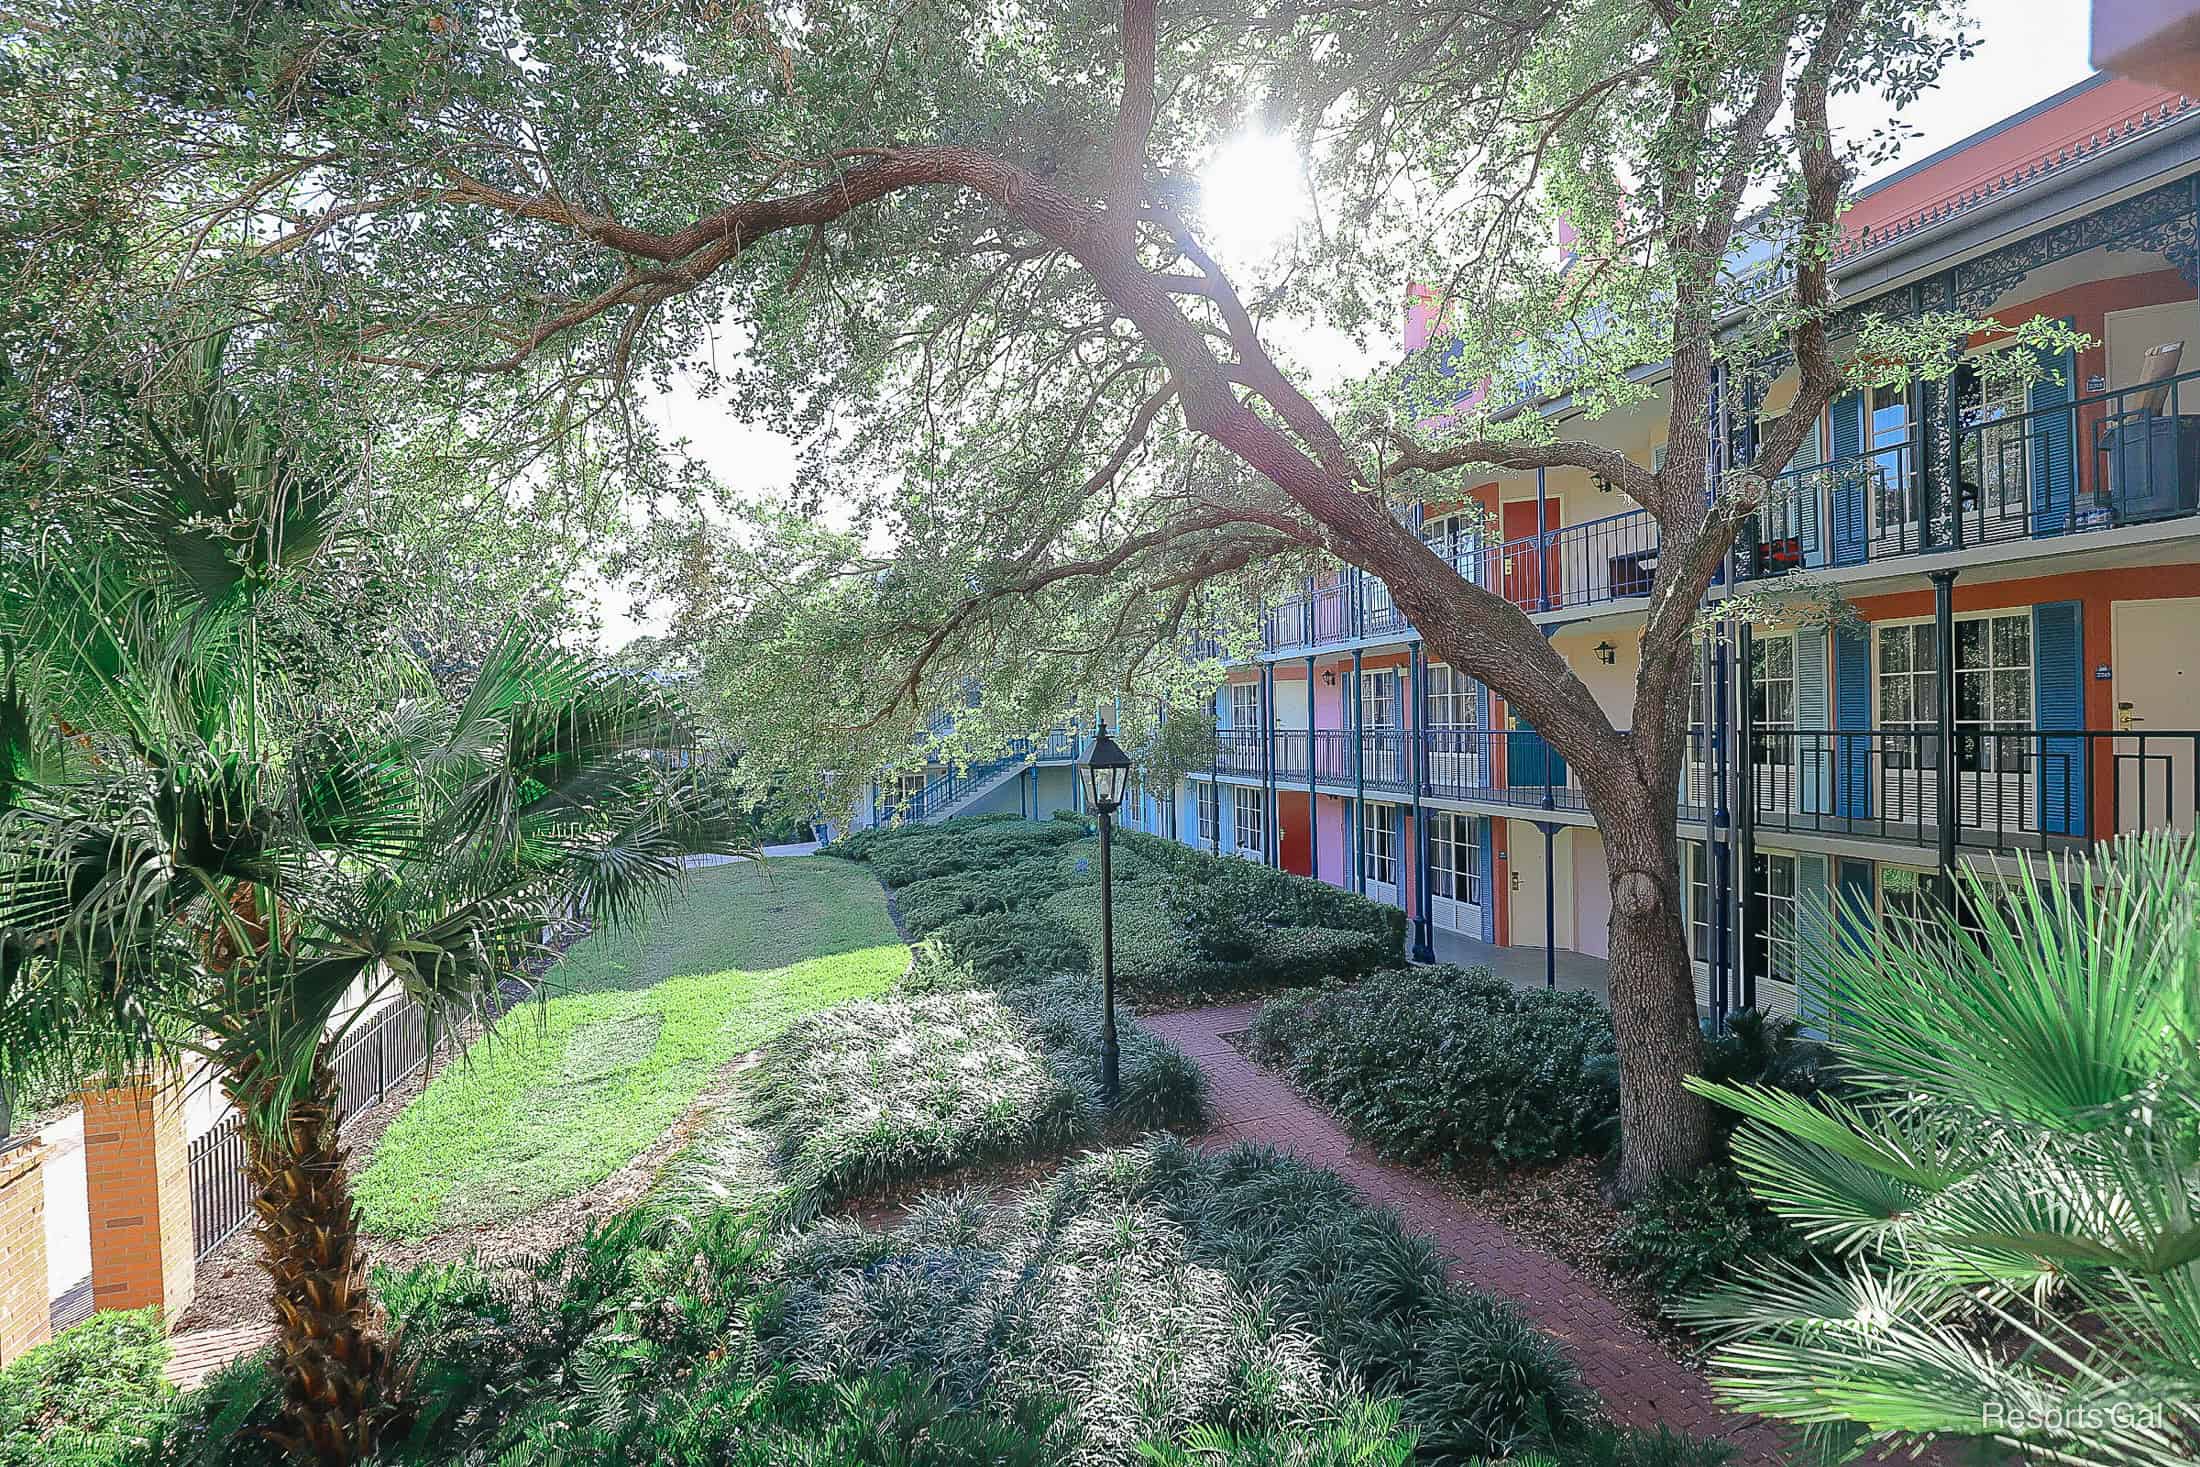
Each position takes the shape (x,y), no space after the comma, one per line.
(1942,155)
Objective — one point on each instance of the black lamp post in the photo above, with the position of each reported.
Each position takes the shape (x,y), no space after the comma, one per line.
(1107,774)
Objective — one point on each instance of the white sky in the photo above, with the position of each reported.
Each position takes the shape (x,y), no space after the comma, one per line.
(2030,49)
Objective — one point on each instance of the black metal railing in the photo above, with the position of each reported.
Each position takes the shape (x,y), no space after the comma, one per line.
(386,1048)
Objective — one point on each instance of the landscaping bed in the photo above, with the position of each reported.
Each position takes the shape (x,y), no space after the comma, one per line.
(999,901)
(875,1094)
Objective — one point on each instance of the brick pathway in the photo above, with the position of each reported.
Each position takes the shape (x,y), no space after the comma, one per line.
(1640,1383)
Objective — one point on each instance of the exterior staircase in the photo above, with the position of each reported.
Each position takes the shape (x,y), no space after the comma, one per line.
(957,789)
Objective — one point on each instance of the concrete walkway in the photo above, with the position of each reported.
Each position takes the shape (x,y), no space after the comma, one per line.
(1525,967)
(1638,1381)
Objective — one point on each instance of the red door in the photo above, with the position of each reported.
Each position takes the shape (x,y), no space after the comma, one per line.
(1296,830)
(1524,569)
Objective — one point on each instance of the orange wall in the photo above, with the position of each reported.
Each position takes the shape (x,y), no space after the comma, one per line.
(2096,592)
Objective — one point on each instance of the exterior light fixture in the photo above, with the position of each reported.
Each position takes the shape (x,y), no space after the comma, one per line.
(1607,653)
(1107,774)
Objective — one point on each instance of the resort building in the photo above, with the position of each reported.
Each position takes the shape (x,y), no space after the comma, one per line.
(2016,672)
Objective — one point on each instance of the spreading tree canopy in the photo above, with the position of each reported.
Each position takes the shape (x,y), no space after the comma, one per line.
(1052,448)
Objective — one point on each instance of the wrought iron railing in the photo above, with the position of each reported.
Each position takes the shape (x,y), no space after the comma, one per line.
(1977,477)
(943,792)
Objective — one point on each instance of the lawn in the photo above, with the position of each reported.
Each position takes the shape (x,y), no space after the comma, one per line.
(565,1093)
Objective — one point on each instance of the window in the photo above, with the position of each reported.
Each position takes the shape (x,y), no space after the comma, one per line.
(1453,873)
(1696,866)
(1993,691)
(1250,817)
(1210,813)
(1375,600)
(1379,699)
(901,790)
(1772,699)
(1772,912)
(1890,431)
(1453,536)
(1245,705)
(1379,844)
(1451,698)
(1910,910)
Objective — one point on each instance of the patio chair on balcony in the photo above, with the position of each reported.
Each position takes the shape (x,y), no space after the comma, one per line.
(2152,456)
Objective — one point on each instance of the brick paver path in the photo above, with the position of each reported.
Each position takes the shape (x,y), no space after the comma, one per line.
(1639,1382)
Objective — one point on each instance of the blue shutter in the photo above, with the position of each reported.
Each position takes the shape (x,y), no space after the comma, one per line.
(1852,713)
(1851,527)
(1485,864)
(1813,755)
(2050,456)
(2058,702)
(1813,940)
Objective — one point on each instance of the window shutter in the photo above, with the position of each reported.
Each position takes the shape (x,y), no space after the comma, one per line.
(1852,712)
(1855,918)
(2058,702)
(1813,755)
(1485,862)
(2051,453)
(1851,480)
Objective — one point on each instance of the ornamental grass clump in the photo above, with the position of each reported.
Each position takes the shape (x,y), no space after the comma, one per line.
(1443,1065)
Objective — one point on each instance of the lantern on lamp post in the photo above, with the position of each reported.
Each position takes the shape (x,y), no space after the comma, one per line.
(1107,775)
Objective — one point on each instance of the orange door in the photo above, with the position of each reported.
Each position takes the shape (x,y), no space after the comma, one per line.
(1295,830)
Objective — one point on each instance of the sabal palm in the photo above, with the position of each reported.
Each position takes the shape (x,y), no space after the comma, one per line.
(219,837)
(2014,1191)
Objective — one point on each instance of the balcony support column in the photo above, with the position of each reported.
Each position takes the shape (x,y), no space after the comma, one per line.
(1714,823)
(1268,763)
(1424,946)
(1944,688)
(1745,810)
(1542,542)
(1359,781)
(1313,805)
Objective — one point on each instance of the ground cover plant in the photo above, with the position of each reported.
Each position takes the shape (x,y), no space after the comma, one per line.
(1440,1065)
(881,1091)
(90,1397)
(1003,900)
(564,1093)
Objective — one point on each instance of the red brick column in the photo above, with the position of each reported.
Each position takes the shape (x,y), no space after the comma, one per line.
(137,1183)
(25,1309)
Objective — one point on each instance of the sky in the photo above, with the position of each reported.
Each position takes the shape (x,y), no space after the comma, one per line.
(2029,50)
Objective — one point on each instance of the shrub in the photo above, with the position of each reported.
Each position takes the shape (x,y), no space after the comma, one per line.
(1162,1290)
(881,1091)
(1437,1064)
(1292,957)
(1006,948)
(1689,1232)
(91,1396)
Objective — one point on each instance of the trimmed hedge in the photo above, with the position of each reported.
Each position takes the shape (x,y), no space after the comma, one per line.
(1440,1064)
(999,901)
(91,1396)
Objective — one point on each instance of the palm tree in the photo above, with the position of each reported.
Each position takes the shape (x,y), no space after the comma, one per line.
(2013,1189)
(224,833)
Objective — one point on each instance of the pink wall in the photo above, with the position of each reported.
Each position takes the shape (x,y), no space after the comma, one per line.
(1329,847)
(1329,701)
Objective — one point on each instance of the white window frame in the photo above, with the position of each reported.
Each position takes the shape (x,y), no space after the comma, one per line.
(1208,801)
(1454,875)
(1993,787)
(1249,821)
(1245,705)
(1379,845)
(1696,887)
(1779,934)
(1383,684)
(1452,698)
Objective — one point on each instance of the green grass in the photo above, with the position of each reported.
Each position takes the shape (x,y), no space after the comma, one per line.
(566,1092)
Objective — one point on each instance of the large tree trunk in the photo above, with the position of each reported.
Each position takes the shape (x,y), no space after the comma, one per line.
(342,1391)
(1664,1129)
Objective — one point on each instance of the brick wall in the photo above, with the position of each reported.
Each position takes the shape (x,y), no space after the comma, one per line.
(24,1306)
(137,1183)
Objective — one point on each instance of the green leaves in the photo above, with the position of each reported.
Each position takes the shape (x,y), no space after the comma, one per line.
(2017,1189)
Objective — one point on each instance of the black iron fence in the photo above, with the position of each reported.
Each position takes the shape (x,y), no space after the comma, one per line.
(385,1049)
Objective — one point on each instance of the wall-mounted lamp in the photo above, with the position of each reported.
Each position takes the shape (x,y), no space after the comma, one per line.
(1607,653)
(1329,677)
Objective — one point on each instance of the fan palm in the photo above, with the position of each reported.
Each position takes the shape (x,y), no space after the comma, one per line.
(223,838)
(2013,1189)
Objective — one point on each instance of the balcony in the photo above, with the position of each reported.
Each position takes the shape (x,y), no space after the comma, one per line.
(2016,788)
(2111,460)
